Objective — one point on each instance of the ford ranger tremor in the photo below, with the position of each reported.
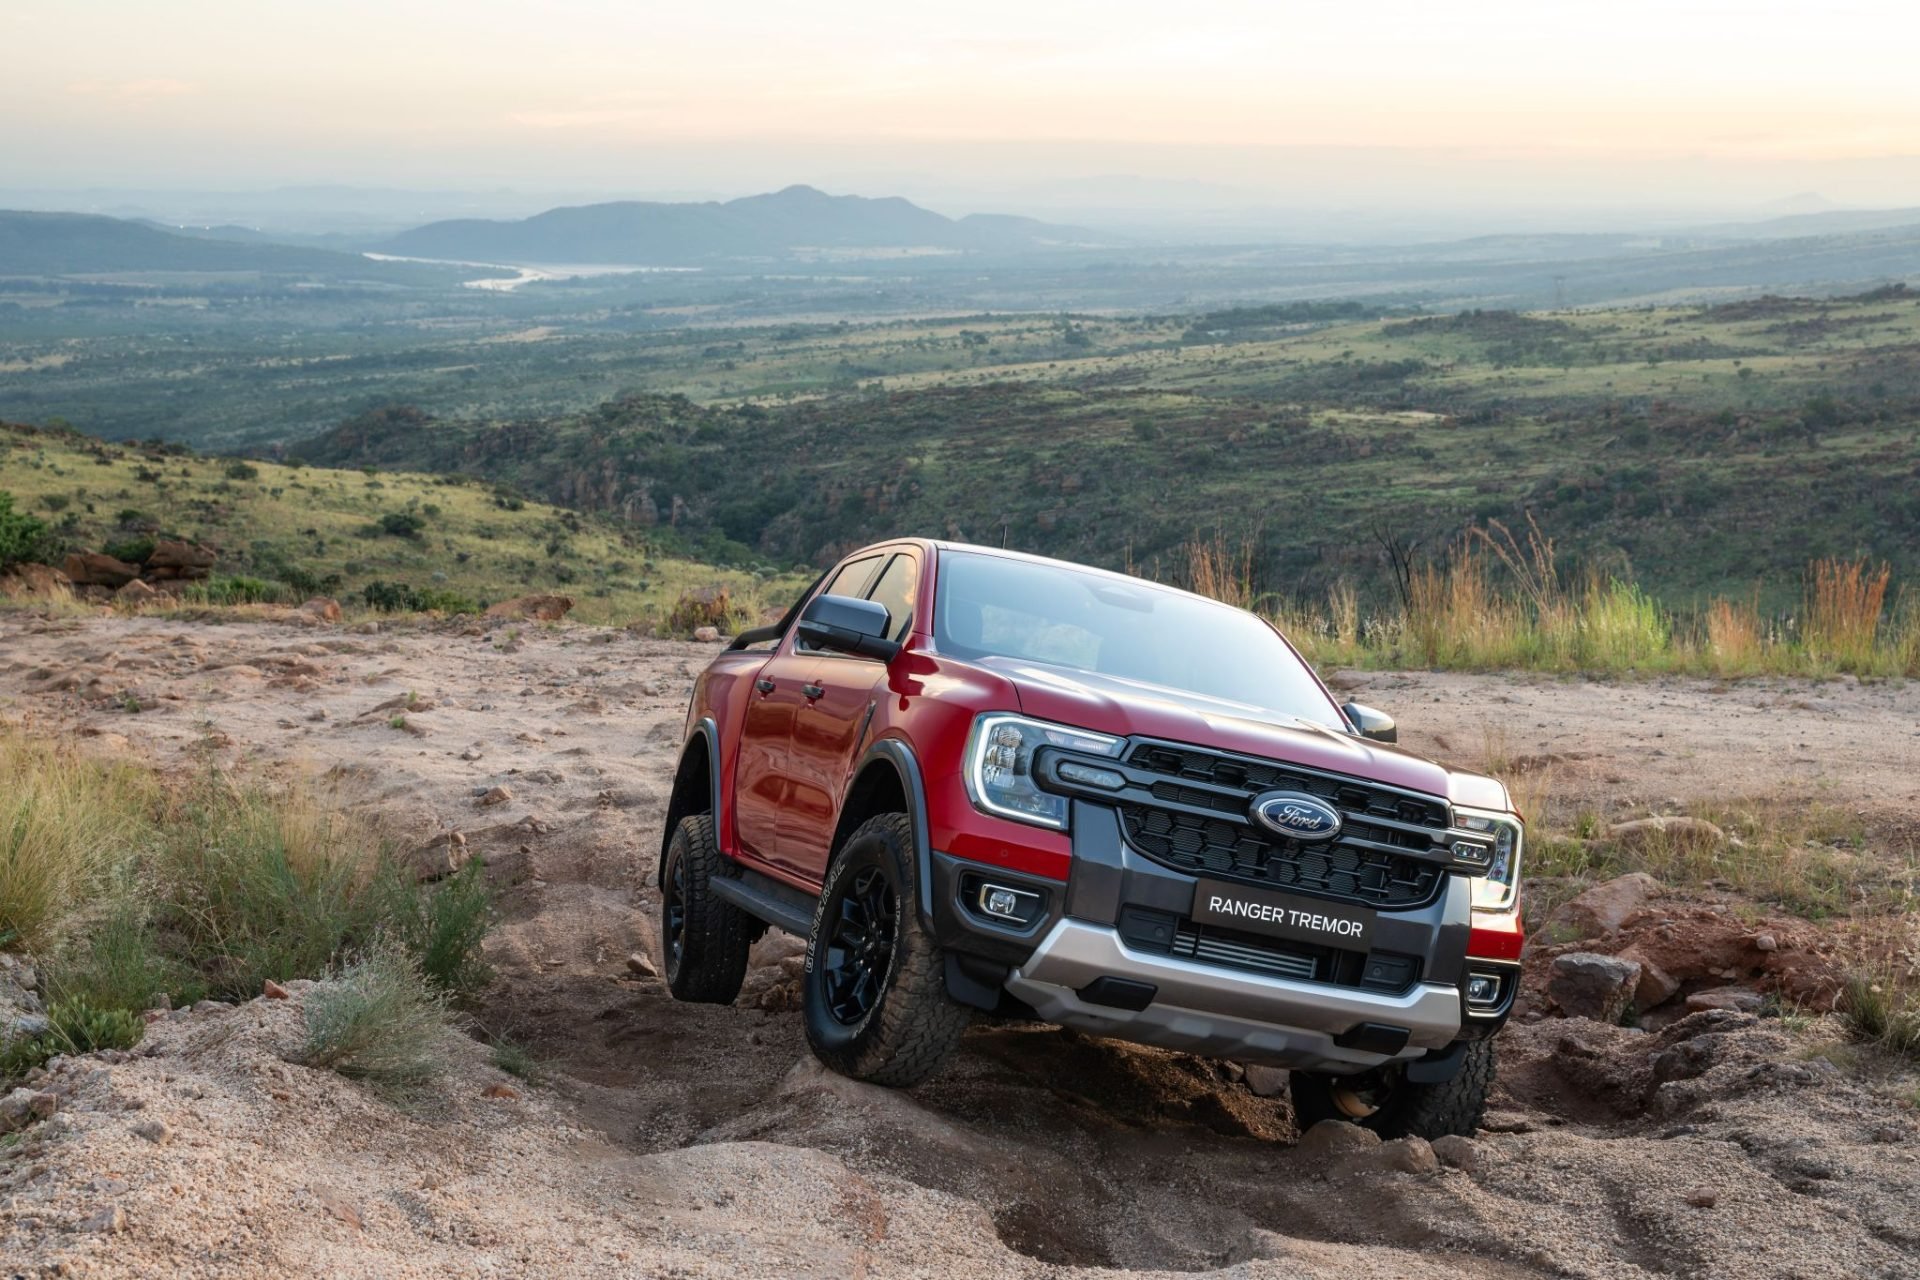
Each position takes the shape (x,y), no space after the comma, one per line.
(974,780)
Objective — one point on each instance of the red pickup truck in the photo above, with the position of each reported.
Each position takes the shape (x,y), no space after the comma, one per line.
(975,780)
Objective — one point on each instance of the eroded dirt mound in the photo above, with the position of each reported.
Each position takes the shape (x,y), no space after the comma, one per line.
(696,1140)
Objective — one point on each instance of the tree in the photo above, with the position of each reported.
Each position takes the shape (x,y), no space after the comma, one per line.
(23,539)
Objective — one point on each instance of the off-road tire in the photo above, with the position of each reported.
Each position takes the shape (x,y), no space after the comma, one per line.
(1405,1109)
(912,1023)
(711,961)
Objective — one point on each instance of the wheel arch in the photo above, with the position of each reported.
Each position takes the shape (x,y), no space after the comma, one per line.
(888,780)
(696,786)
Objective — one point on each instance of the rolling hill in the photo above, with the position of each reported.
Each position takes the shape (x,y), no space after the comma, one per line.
(778,224)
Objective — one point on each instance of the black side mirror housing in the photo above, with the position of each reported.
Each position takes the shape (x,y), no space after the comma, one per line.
(849,625)
(1368,723)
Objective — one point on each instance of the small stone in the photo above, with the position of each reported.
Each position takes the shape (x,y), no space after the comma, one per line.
(471,753)
(16,1110)
(43,1104)
(1460,1153)
(642,964)
(1766,942)
(1265,1081)
(318,713)
(273,990)
(500,1091)
(494,796)
(1703,1198)
(158,1132)
(108,1219)
(707,635)
(210,1006)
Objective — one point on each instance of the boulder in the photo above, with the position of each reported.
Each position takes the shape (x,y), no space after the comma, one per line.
(1333,1138)
(136,593)
(1587,985)
(532,608)
(35,582)
(1456,1152)
(1266,1082)
(707,635)
(1656,985)
(322,609)
(97,569)
(1603,908)
(172,558)
(1669,828)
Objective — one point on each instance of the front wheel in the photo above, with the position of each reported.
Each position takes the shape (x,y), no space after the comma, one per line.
(1385,1101)
(874,995)
(706,938)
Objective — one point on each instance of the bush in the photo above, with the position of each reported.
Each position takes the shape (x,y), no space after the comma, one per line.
(239,590)
(23,539)
(131,550)
(73,1027)
(442,927)
(398,597)
(402,524)
(1879,1015)
(379,1022)
(237,470)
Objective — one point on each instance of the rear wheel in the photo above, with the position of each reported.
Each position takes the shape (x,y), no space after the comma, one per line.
(706,938)
(874,994)
(1385,1101)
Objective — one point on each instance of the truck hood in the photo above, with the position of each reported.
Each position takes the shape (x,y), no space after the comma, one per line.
(1111,704)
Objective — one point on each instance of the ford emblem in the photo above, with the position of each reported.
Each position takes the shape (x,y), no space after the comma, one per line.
(1296,816)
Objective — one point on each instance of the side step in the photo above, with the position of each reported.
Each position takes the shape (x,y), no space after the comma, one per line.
(764,898)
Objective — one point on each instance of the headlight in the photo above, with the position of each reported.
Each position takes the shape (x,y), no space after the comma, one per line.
(999,768)
(1495,891)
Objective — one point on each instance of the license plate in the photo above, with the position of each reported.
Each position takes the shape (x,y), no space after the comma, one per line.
(1283,915)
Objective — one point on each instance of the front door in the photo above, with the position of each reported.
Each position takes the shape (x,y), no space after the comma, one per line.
(761,780)
(827,729)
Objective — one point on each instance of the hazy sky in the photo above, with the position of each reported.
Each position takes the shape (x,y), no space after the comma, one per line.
(1628,101)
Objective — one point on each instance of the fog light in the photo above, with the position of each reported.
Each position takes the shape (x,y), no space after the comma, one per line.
(1002,903)
(1483,990)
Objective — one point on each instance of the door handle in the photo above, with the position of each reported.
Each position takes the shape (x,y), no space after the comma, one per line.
(812,691)
(764,685)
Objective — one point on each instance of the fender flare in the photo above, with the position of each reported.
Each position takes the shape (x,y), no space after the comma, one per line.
(708,731)
(896,752)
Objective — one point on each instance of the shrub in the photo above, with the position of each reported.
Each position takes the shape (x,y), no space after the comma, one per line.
(402,524)
(1878,1015)
(378,1021)
(442,927)
(131,550)
(398,597)
(73,1026)
(238,470)
(23,539)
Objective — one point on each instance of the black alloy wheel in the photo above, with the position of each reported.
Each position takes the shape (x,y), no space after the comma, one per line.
(859,951)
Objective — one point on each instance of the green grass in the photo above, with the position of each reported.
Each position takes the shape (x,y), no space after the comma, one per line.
(379,1021)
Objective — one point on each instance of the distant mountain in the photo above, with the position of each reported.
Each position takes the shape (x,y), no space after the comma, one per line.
(780,224)
(61,244)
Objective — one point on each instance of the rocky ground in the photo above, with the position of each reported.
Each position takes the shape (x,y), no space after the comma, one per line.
(673,1140)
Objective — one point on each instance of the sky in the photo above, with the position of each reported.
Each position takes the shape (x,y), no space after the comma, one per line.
(1195,103)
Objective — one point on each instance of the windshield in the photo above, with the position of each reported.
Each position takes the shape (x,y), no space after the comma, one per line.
(992,606)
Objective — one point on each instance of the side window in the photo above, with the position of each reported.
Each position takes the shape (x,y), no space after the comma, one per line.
(849,581)
(896,589)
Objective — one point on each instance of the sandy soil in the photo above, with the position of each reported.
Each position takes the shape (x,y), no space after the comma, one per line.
(676,1140)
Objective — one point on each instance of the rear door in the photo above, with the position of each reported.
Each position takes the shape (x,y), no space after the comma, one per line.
(763,785)
(830,724)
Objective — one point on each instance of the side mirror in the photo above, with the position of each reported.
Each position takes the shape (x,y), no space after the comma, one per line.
(847,625)
(1377,725)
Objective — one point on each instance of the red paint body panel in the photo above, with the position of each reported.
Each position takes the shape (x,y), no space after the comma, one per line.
(1496,936)
(800,764)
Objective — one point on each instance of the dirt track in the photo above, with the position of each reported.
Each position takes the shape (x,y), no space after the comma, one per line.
(680,1140)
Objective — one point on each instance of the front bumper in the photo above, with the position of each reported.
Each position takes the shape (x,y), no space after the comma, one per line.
(1085,963)
(1225,1013)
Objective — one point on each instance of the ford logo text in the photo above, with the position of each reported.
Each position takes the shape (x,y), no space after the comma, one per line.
(1296,816)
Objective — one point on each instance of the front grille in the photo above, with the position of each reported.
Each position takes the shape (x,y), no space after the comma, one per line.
(1165,933)
(1199,825)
